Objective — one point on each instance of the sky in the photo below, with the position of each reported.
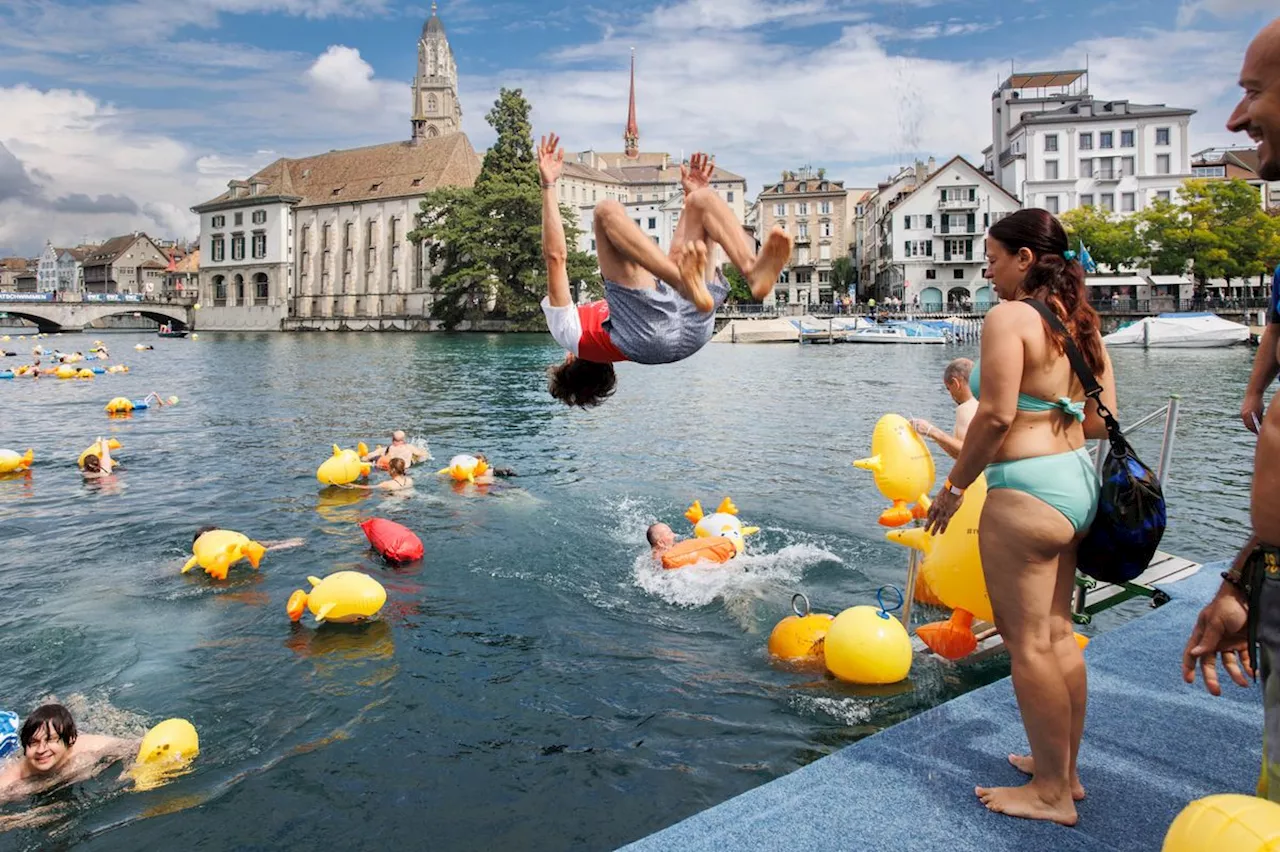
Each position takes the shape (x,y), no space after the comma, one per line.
(119,115)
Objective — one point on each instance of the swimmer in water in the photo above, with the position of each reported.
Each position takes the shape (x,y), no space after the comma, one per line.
(268,546)
(100,465)
(661,538)
(54,752)
(490,475)
(399,449)
(399,480)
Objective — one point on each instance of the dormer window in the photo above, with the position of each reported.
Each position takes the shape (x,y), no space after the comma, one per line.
(337,190)
(417,181)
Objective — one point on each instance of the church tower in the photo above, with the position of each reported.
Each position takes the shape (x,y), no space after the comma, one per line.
(436,111)
(631,136)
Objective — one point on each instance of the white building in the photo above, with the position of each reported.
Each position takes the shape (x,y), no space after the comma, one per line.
(1055,146)
(928,247)
(322,241)
(61,269)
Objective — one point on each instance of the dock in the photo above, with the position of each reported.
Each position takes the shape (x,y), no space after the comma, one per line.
(1152,744)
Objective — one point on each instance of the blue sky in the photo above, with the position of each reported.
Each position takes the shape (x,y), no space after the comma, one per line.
(118,115)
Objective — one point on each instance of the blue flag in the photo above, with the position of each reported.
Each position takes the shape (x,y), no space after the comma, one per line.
(1086,260)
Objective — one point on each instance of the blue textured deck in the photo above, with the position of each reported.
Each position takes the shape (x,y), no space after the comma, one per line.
(1152,744)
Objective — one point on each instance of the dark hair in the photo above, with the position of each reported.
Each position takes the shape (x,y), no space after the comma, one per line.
(201,532)
(56,717)
(582,383)
(1059,281)
(92,463)
(395,466)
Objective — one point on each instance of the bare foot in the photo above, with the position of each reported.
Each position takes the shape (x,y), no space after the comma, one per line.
(1026,764)
(692,262)
(774,255)
(1026,802)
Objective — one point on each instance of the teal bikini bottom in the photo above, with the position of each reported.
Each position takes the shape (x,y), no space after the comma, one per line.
(1066,481)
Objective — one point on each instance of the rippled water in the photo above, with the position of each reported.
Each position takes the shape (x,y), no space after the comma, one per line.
(532,684)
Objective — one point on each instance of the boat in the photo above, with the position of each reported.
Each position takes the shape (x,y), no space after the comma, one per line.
(1180,331)
(896,332)
(169,331)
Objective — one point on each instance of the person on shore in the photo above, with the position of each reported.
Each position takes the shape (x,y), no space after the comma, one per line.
(1250,592)
(54,752)
(401,449)
(98,465)
(955,378)
(1028,434)
(658,308)
(661,538)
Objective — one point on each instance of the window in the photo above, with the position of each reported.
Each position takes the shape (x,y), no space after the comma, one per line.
(1050,169)
(259,217)
(218,248)
(239,218)
(931,274)
(1126,138)
(802,208)
(1126,166)
(1086,167)
(803,276)
(237,246)
(306,249)
(1162,136)
(259,244)
(1162,164)
(826,227)
(653,223)
(824,207)
(219,221)
(824,276)
(1086,141)
(431,104)
(1051,142)
(1086,199)
(1163,195)
(802,230)
(728,196)
(239,289)
(1108,201)
(1106,168)
(260,288)
(1126,202)
(1051,203)
(1105,139)
(417,182)
(219,291)
(1209,171)
(957,274)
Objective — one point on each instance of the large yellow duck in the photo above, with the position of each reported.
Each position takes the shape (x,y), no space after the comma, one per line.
(464,468)
(723,522)
(344,466)
(11,461)
(902,466)
(166,750)
(342,597)
(217,550)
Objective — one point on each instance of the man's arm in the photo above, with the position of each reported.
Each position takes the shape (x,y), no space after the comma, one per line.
(1265,369)
(554,249)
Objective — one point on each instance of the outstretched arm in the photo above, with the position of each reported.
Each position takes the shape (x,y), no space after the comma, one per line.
(104,455)
(554,249)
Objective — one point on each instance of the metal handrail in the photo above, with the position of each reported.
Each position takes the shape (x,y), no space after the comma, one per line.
(1170,412)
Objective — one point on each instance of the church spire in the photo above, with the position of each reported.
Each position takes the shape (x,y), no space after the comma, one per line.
(632,134)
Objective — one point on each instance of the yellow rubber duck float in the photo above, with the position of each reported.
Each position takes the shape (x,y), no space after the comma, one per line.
(166,750)
(344,466)
(902,466)
(342,598)
(94,449)
(723,523)
(217,550)
(66,371)
(11,461)
(464,468)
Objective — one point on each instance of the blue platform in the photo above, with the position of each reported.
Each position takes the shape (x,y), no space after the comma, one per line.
(1151,745)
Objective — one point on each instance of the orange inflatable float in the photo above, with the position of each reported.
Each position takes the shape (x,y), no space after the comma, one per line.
(799,637)
(716,549)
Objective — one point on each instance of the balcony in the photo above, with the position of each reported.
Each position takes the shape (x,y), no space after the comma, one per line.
(801,239)
(958,230)
(958,204)
(956,260)
(1107,176)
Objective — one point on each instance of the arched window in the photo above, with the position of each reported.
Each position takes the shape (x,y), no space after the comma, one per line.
(260,287)
(239,289)
(219,290)
(432,104)
(432,132)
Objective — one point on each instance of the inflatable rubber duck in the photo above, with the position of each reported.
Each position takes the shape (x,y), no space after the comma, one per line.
(85,373)
(167,749)
(902,466)
(464,468)
(217,550)
(722,523)
(112,444)
(344,466)
(119,405)
(11,461)
(117,368)
(66,371)
(342,597)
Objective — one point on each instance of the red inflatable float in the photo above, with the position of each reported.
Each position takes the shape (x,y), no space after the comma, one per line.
(395,542)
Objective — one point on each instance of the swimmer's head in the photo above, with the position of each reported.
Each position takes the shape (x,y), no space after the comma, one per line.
(582,383)
(397,437)
(395,467)
(92,463)
(201,532)
(660,537)
(956,379)
(46,736)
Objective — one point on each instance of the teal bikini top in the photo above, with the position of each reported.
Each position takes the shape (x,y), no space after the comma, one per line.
(1064,404)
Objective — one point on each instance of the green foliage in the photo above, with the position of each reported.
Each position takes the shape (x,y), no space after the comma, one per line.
(1112,241)
(739,289)
(1217,230)
(487,240)
(842,275)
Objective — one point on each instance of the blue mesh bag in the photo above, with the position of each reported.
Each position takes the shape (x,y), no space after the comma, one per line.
(9,726)
(1131,511)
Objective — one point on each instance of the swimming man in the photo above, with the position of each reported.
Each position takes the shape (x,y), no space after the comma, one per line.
(399,449)
(955,378)
(54,752)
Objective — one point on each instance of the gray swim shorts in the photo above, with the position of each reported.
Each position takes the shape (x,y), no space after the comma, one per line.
(659,326)
(1263,566)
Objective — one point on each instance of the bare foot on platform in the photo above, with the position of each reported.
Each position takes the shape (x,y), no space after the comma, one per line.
(1027,803)
(692,262)
(1026,764)
(774,255)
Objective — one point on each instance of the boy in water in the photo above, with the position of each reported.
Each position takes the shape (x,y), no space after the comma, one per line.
(657,308)
(54,752)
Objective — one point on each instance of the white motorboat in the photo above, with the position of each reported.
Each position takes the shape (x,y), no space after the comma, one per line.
(896,332)
(1180,331)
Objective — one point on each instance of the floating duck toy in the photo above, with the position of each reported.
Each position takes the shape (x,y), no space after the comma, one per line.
(464,468)
(343,597)
(142,347)
(723,523)
(166,750)
(117,368)
(344,466)
(120,405)
(66,371)
(85,373)
(800,638)
(11,461)
(217,550)
(94,449)
(902,466)
(865,644)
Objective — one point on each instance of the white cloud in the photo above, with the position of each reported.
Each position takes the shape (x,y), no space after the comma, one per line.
(1192,9)
(341,73)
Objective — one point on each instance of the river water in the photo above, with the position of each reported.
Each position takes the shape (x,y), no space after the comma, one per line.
(533,683)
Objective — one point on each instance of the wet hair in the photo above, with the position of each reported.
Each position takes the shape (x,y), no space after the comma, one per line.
(1058,280)
(57,717)
(395,467)
(201,532)
(958,369)
(585,384)
(651,534)
(92,463)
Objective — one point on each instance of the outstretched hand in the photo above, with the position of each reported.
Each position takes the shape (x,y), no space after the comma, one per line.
(696,173)
(550,159)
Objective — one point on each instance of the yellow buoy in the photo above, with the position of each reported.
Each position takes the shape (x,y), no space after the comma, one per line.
(799,637)
(342,597)
(865,644)
(1228,821)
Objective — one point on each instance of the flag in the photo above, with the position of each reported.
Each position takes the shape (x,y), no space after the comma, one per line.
(1085,260)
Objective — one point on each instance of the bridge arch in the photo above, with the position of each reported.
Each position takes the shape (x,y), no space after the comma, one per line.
(75,316)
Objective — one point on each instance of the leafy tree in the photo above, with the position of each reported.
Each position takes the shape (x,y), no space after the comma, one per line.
(487,239)
(1112,241)
(1218,229)
(842,275)
(739,289)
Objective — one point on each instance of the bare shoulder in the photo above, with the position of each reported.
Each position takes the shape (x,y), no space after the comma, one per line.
(1007,317)
(10,773)
(97,745)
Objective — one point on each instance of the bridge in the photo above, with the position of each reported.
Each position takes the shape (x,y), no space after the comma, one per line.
(76,312)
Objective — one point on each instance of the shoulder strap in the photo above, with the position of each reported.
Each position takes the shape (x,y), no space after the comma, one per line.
(1087,379)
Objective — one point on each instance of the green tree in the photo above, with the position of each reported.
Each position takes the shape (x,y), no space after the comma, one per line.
(842,275)
(1112,241)
(739,289)
(1218,230)
(487,239)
